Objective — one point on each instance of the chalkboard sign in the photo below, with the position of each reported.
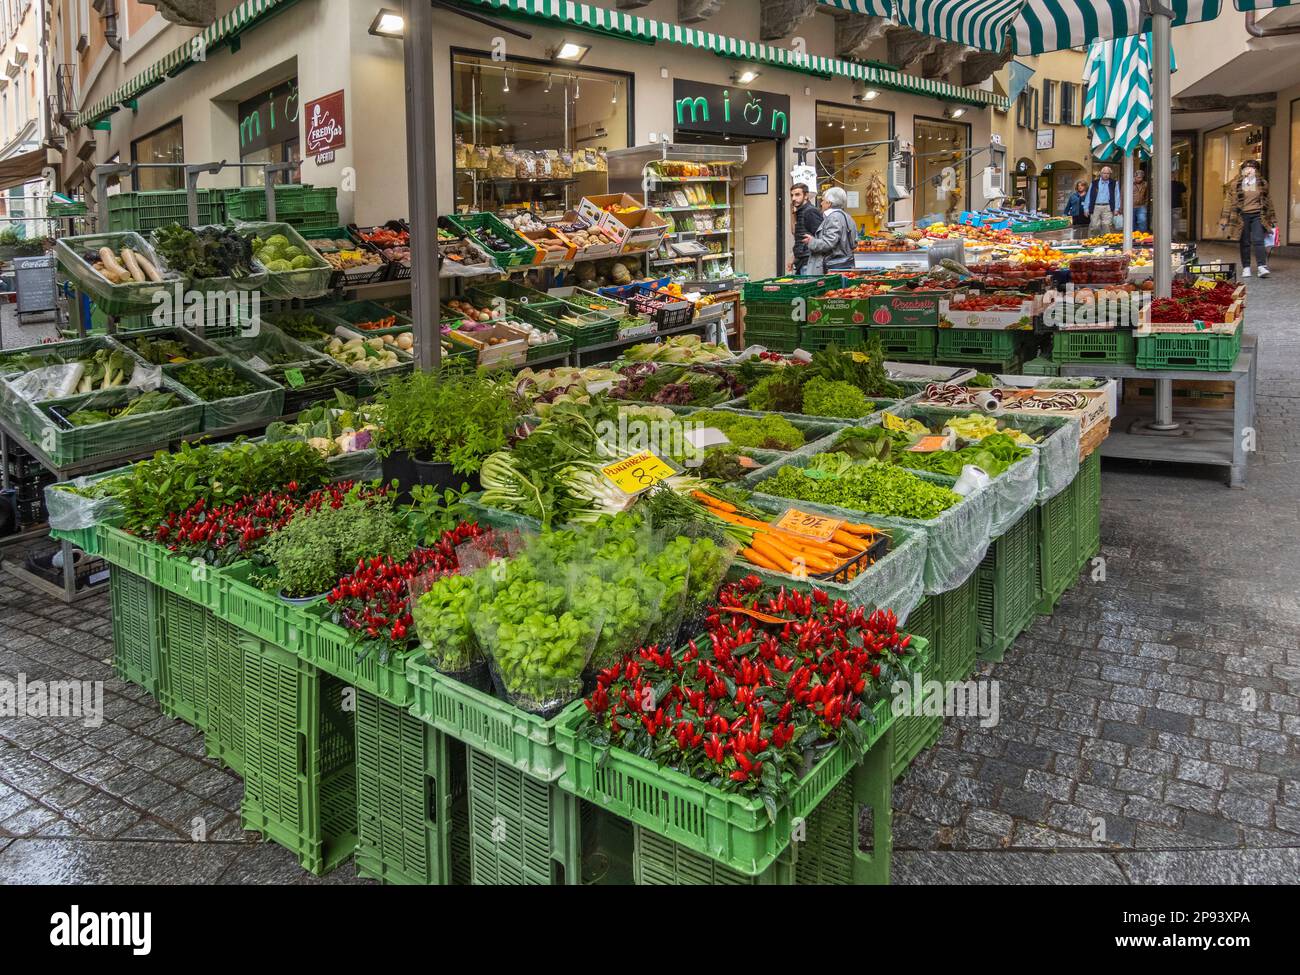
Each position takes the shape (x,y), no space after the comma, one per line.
(34,282)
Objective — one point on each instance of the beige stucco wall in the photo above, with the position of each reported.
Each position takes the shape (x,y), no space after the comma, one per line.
(327,44)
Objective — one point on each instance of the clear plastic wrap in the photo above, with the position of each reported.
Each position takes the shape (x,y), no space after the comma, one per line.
(51,382)
(896,581)
(956,540)
(71,511)
(113,299)
(309,282)
(249,282)
(1015,491)
(355,465)
(264,403)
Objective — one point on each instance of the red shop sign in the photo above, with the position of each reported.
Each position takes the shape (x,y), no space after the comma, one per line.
(325,129)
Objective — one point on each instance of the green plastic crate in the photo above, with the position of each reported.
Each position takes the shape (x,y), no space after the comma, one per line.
(1106,346)
(915,732)
(497,728)
(790,310)
(1058,544)
(262,404)
(550,350)
(1040,367)
(224,739)
(731,829)
(959,634)
(147,210)
(412,801)
(523,831)
(816,337)
(189,636)
(136,607)
(907,343)
(63,446)
(194,580)
(294,202)
(338,651)
(521,252)
(299,769)
(1195,351)
(1007,587)
(774,335)
(826,848)
(1087,512)
(979,345)
(783,289)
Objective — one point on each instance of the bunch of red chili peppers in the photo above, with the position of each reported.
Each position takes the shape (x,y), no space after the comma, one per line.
(789,671)
(1192,303)
(375,599)
(227,533)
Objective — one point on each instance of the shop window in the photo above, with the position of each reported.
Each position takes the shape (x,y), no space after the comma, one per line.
(941,182)
(165,145)
(860,171)
(1226,149)
(268,133)
(1069,101)
(534,133)
(1049,102)
(1293,191)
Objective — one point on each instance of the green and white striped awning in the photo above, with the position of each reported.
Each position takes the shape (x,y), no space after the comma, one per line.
(633,27)
(1036,26)
(1117,107)
(221,31)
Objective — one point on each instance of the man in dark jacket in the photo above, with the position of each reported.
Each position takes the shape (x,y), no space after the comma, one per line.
(807,221)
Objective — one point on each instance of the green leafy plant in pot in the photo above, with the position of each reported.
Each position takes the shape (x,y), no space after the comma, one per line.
(438,426)
(311,553)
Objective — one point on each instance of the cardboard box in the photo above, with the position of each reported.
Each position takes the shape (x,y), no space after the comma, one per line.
(546,256)
(1021,319)
(592,208)
(638,232)
(1096,412)
(513,350)
(1205,394)
(905,308)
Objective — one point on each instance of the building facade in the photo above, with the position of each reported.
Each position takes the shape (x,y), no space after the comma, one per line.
(23,118)
(166,83)
(1048,146)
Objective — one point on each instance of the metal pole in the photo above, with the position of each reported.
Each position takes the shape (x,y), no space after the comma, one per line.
(422,180)
(1162,225)
(1126,198)
(269,185)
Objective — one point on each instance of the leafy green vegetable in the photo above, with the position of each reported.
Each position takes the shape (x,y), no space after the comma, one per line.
(862,366)
(781,392)
(152,401)
(834,397)
(210,252)
(768,432)
(455,416)
(210,381)
(834,479)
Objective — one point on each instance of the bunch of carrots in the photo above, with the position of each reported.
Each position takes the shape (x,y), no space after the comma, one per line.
(769,547)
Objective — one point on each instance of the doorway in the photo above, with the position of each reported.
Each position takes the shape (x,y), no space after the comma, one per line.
(1182,185)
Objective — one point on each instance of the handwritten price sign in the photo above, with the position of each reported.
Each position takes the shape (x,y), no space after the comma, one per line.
(638,473)
(817,527)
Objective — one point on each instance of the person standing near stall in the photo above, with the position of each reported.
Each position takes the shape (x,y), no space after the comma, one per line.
(1074,206)
(1248,215)
(1103,205)
(832,247)
(807,219)
(1141,201)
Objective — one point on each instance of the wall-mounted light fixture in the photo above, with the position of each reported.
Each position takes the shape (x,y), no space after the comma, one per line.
(388,23)
(745,75)
(569,51)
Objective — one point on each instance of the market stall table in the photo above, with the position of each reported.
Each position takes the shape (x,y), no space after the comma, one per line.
(1216,437)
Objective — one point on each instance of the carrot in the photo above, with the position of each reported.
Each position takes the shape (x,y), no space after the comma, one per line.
(851,541)
(811,557)
(755,558)
(858,529)
(713,502)
(764,547)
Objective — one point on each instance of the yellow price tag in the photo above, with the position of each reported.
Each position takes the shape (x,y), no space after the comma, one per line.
(817,527)
(638,473)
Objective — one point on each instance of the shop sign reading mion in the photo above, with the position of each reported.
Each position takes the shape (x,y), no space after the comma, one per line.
(699,107)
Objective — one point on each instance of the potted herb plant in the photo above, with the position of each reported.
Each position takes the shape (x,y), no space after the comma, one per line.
(311,552)
(438,426)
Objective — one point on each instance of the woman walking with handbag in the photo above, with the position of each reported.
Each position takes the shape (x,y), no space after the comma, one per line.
(1248,215)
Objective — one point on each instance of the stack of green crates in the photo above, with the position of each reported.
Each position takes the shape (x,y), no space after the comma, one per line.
(299,205)
(149,209)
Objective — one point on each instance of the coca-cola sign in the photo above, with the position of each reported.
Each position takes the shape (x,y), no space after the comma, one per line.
(324,124)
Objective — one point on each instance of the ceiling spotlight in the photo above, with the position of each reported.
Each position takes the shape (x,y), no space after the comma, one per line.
(569,51)
(954,111)
(613,99)
(388,23)
(745,76)
(870,95)
(577,87)
(548,82)
(505,80)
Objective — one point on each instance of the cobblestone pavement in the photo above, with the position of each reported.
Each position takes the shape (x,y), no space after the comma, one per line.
(1124,709)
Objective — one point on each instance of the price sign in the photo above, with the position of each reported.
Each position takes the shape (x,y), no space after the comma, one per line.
(637,473)
(295,378)
(817,527)
(258,364)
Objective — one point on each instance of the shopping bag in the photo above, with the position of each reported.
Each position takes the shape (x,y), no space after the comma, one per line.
(1273,238)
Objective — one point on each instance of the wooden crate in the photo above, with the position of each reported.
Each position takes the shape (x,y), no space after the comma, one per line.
(1199,393)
